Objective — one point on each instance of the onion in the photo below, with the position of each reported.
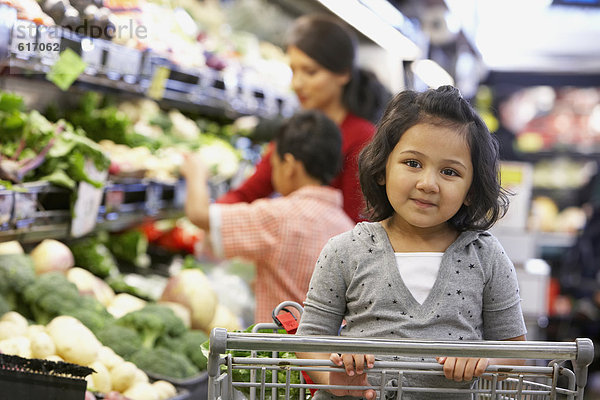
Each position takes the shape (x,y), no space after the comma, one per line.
(51,255)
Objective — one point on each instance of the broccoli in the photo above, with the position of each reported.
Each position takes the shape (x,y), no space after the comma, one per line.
(124,341)
(165,363)
(131,246)
(51,295)
(149,326)
(189,344)
(4,306)
(92,254)
(192,341)
(174,326)
(16,274)
(93,319)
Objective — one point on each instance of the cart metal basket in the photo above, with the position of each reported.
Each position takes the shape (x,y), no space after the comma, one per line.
(279,377)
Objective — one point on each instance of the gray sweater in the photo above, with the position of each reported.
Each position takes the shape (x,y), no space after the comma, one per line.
(356,279)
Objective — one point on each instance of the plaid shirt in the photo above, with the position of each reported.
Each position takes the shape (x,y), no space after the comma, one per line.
(283,237)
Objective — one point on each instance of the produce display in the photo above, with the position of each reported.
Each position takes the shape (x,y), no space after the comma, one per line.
(35,149)
(52,309)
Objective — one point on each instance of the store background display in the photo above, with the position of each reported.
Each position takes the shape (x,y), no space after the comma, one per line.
(198,66)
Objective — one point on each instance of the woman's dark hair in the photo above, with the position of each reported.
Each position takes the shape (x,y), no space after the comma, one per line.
(313,139)
(444,106)
(333,45)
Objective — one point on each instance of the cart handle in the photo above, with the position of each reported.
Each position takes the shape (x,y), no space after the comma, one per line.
(581,350)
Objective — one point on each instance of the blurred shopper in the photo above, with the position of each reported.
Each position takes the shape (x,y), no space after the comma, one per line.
(284,235)
(322,55)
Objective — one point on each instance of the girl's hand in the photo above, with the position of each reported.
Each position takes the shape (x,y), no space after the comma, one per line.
(463,369)
(355,374)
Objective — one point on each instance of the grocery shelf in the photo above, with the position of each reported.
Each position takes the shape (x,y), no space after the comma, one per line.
(43,210)
(37,233)
(117,68)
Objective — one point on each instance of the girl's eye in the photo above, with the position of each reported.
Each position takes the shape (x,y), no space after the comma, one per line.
(412,163)
(449,172)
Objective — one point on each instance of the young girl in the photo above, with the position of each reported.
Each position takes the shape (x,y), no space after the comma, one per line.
(426,267)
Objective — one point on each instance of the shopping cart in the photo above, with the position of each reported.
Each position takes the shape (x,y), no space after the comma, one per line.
(279,377)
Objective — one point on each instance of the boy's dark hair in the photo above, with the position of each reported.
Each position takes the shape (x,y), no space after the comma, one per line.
(313,139)
(444,106)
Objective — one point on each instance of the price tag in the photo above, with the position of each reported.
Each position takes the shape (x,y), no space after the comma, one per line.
(154,193)
(88,202)
(66,69)
(180,193)
(6,206)
(123,60)
(158,83)
(91,52)
(25,208)
(113,200)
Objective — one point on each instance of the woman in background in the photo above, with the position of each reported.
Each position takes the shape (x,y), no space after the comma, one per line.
(322,54)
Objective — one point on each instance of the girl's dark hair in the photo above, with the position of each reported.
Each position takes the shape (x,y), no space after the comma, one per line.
(444,106)
(313,139)
(333,45)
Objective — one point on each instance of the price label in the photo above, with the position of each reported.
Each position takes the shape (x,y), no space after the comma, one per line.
(88,202)
(6,206)
(91,52)
(180,193)
(113,200)
(158,83)
(66,69)
(25,208)
(123,60)
(154,193)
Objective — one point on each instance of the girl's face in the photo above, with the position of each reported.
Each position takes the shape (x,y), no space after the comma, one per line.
(428,176)
(317,87)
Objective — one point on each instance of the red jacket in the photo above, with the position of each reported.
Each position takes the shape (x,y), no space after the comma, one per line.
(356,133)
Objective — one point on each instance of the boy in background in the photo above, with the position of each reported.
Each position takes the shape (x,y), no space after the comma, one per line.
(283,236)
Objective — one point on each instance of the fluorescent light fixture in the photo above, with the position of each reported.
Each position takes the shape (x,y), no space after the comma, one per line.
(364,20)
(431,73)
(385,11)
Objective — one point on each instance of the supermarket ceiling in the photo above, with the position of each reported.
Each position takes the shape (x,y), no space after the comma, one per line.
(511,35)
(533,35)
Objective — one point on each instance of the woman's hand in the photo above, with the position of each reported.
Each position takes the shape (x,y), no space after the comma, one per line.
(355,374)
(463,369)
